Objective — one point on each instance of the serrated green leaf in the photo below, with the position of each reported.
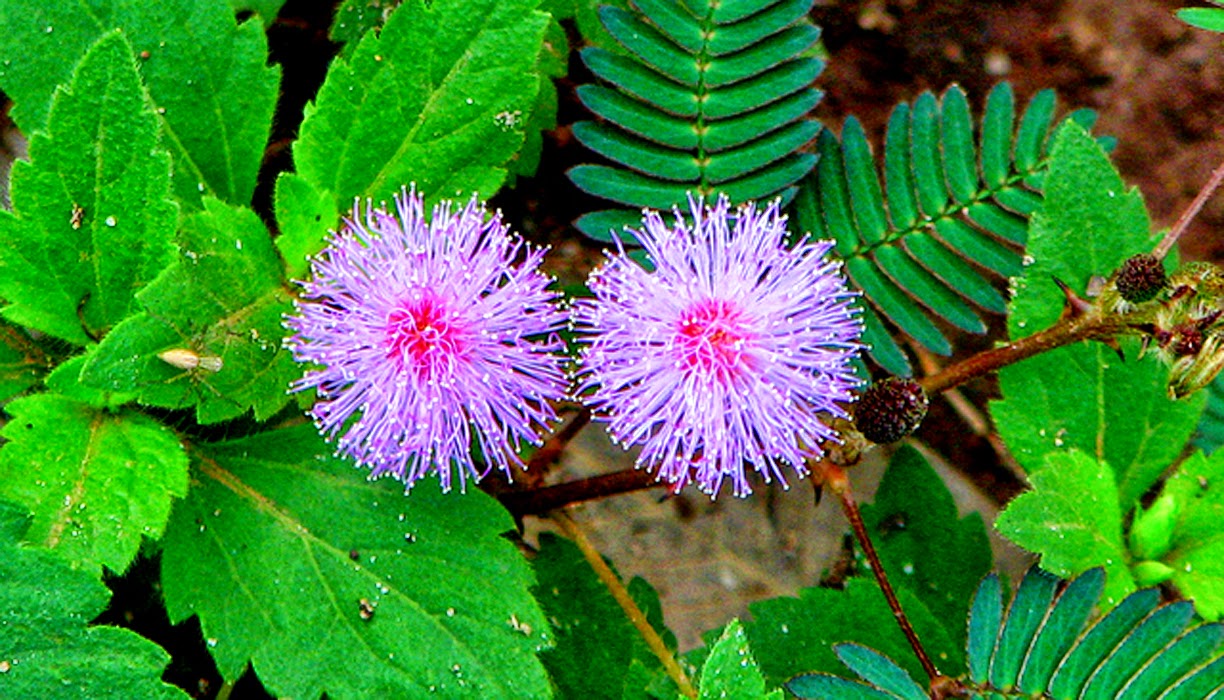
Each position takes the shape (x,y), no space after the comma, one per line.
(304,216)
(594,644)
(95,481)
(913,520)
(48,649)
(224,298)
(1072,518)
(420,591)
(354,18)
(438,97)
(791,636)
(266,9)
(64,380)
(207,76)
(1090,223)
(1082,397)
(92,221)
(731,671)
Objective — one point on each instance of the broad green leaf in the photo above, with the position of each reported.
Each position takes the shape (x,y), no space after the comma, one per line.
(329,583)
(92,221)
(1072,518)
(304,216)
(206,75)
(96,481)
(796,635)
(1084,396)
(914,524)
(1196,552)
(266,9)
(354,18)
(595,646)
(439,97)
(224,298)
(48,649)
(1090,223)
(731,672)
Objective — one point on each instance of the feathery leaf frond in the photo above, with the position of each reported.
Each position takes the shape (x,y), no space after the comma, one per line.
(711,98)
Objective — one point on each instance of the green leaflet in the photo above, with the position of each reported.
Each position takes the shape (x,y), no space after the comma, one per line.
(439,97)
(223,298)
(1195,549)
(206,76)
(92,222)
(48,649)
(421,593)
(731,671)
(1072,518)
(95,481)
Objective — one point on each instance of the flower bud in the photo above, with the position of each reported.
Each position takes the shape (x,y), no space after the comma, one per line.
(1141,278)
(890,409)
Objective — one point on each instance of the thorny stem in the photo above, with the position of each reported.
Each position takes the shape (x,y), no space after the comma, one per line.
(621,594)
(835,478)
(1166,243)
(1067,331)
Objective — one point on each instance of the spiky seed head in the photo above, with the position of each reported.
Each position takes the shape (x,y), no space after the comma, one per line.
(890,409)
(1141,278)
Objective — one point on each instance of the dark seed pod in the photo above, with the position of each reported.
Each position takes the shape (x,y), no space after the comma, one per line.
(1141,278)
(890,409)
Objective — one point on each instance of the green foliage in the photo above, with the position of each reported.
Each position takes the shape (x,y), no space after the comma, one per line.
(92,220)
(596,651)
(1209,18)
(205,76)
(440,97)
(1084,396)
(47,647)
(1047,646)
(266,9)
(421,595)
(705,97)
(1209,434)
(948,207)
(95,481)
(1072,517)
(914,524)
(223,298)
(21,362)
(731,672)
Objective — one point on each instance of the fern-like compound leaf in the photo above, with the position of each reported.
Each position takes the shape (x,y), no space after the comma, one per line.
(711,98)
(926,244)
(1047,646)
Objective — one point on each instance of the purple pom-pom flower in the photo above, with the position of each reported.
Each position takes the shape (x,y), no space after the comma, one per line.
(431,341)
(735,350)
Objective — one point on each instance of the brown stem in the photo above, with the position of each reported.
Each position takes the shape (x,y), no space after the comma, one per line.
(1183,221)
(835,478)
(542,500)
(621,594)
(1069,330)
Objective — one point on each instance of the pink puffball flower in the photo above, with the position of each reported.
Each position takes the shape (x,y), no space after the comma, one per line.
(431,343)
(736,349)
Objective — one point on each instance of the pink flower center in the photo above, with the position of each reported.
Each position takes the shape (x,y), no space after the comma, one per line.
(422,336)
(712,339)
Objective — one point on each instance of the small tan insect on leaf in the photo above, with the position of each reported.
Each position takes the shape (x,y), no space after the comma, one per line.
(189,360)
